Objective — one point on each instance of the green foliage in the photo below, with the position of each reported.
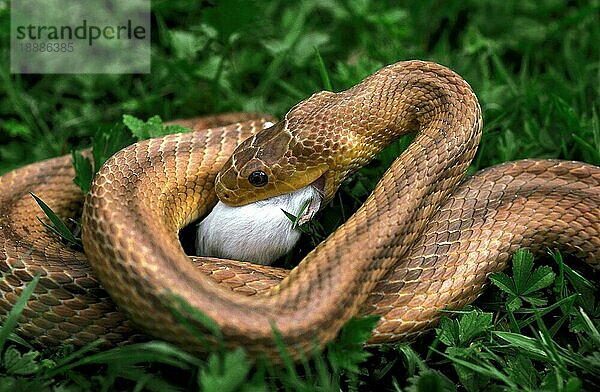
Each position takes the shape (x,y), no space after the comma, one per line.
(57,226)
(487,355)
(16,363)
(107,141)
(227,373)
(296,219)
(345,353)
(461,332)
(525,284)
(154,127)
(84,173)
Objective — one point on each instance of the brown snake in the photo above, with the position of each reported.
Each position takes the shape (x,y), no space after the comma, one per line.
(425,239)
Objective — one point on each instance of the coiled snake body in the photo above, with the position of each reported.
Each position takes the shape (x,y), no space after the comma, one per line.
(424,240)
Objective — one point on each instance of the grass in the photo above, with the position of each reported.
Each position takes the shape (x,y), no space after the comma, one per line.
(535,68)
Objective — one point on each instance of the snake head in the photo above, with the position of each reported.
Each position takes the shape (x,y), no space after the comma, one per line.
(318,143)
(266,165)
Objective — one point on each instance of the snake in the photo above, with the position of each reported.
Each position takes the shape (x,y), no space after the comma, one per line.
(425,240)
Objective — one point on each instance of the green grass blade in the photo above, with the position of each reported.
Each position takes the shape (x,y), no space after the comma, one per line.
(19,340)
(568,301)
(198,316)
(15,312)
(576,278)
(488,370)
(325,79)
(593,329)
(283,350)
(296,219)
(63,363)
(155,351)
(551,348)
(528,346)
(58,226)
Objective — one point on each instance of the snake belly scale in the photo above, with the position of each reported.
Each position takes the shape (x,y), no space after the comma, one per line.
(425,240)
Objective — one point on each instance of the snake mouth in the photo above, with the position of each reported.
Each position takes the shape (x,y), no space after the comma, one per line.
(316,202)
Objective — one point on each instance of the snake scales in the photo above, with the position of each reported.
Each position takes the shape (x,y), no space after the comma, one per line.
(425,239)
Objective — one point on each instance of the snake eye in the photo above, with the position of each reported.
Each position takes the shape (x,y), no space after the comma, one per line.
(258,178)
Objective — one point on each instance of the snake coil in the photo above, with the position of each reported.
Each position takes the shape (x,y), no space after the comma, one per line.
(425,240)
